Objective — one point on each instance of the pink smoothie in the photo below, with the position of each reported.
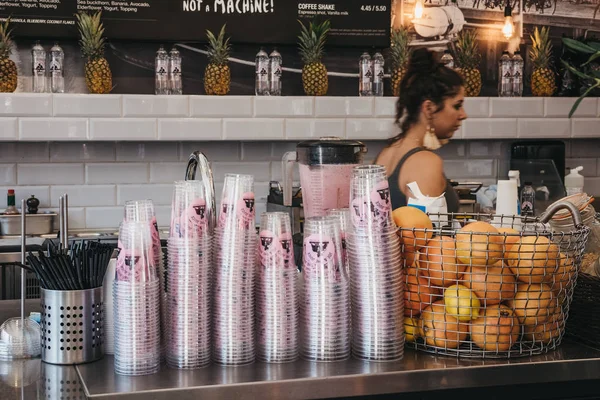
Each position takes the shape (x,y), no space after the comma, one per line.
(325,187)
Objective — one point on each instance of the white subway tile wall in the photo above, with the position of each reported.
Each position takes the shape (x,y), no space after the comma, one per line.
(100,176)
(134,118)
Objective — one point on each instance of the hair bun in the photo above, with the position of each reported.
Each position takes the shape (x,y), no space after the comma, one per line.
(422,61)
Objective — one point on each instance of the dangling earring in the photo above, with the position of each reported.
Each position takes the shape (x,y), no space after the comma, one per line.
(430,141)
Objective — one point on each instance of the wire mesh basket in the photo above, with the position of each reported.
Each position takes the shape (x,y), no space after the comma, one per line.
(474,290)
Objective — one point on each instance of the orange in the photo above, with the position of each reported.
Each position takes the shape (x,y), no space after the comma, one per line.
(479,244)
(413,218)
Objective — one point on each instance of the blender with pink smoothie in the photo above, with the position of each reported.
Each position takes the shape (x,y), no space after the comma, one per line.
(325,172)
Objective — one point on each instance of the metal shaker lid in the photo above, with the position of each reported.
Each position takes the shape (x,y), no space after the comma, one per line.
(330,150)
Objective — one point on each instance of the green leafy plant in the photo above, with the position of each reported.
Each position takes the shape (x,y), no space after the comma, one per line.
(591,49)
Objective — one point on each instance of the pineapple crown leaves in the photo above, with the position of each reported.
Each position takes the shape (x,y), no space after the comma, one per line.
(399,51)
(5,39)
(467,50)
(218,47)
(312,41)
(541,48)
(91,31)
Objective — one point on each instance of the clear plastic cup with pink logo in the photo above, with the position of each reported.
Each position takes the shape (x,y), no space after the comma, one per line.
(370,203)
(190,211)
(136,261)
(237,209)
(276,291)
(325,302)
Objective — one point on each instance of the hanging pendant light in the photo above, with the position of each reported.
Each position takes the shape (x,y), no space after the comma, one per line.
(509,28)
(419,7)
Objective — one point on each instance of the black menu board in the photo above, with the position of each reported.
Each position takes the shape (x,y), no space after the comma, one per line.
(353,22)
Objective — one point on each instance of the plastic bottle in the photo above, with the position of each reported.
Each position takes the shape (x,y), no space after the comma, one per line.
(378,74)
(161,72)
(175,81)
(38,55)
(505,80)
(365,71)
(515,175)
(517,74)
(11,209)
(57,61)
(574,181)
(447,59)
(528,200)
(275,73)
(261,87)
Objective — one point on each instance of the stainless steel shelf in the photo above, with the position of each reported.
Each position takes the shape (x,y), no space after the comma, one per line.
(307,380)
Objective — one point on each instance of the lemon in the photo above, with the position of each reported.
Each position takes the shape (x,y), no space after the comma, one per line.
(461,303)
(411,329)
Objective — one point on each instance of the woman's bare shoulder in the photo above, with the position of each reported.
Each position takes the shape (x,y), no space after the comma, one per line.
(427,169)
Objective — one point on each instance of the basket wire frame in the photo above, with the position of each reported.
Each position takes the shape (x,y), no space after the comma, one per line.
(514,289)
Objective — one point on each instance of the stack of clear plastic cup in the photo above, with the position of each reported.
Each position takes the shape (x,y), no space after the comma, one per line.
(235,264)
(376,277)
(325,304)
(189,302)
(143,211)
(276,291)
(136,298)
(189,277)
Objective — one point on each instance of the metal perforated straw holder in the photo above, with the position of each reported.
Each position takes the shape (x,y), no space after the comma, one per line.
(72,326)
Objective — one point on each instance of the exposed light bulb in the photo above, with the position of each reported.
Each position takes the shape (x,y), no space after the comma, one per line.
(509,28)
(419,9)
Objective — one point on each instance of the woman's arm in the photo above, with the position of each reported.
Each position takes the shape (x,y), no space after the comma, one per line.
(425,168)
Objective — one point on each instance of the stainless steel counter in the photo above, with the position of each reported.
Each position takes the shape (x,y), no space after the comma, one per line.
(418,372)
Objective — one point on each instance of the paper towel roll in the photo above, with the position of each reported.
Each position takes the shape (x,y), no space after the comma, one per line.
(507,205)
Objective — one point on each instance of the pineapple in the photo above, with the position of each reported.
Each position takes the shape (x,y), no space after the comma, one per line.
(543,82)
(311,43)
(217,75)
(8,68)
(468,58)
(399,57)
(98,77)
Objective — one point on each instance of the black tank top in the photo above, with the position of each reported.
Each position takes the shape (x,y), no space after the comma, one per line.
(399,199)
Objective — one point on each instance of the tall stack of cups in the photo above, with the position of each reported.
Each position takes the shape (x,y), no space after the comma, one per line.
(276,294)
(143,211)
(235,263)
(375,268)
(136,292)
(325,305)
(189,277)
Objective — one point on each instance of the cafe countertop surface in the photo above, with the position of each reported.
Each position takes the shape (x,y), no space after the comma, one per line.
(417,372)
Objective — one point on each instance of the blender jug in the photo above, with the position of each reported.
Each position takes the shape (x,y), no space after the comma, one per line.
(325,172)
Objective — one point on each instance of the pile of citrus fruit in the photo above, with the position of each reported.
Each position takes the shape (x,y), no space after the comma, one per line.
(482,288)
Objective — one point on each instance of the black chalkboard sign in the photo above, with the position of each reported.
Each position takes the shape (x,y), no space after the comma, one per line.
(353,22)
